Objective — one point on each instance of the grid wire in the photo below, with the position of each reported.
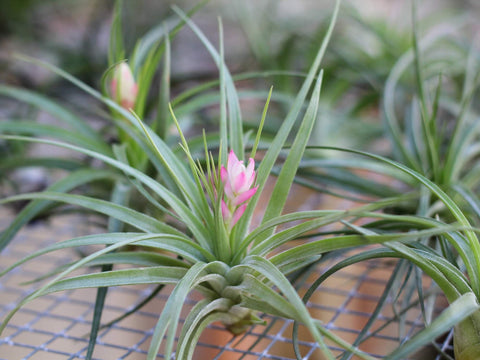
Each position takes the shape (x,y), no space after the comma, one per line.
(55,326)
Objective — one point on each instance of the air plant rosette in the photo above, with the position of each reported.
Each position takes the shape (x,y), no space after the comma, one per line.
(213,252)
(203,240)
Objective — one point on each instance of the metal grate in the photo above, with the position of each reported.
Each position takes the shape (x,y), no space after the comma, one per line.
(55,326)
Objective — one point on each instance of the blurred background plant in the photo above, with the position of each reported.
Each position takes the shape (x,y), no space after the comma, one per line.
(277,47)
(418,95)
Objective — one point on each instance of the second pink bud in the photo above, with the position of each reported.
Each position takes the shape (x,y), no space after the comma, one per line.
(123,86)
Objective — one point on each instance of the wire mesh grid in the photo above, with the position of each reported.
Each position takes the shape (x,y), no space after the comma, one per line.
(56,326)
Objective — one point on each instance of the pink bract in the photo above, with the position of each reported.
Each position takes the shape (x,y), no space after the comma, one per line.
(237,185)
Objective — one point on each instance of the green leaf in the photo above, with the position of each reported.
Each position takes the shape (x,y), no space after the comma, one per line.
(179,245)
(23,127)
(460,309)
(283,132)
(392,124)
(56,110)
(116,50)
(223,123)
(264,298)
(68,183)
(148,53)
(166,155)
(260,126)
(350,260)
(324,175)
(162,120)
(320,218)
(291,264)
(191,190)
(448,278)
(140,258)
(120,195)
(209,319)
(463,132)
(190,219)
(449,285)
(428,136)
(295,154)
(127,215)
(150,275)
(281,237)
(262,266)
(267,269)
(45,288)
(168,321)
(97,315)
(470,197)
(193,324)
(234,114)
(451,271)
(19,161)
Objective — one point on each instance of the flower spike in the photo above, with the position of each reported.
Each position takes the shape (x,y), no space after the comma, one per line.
(237,187)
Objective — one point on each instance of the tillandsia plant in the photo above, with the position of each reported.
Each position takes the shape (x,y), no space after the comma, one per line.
(436,148)
(426,107)
(213,251)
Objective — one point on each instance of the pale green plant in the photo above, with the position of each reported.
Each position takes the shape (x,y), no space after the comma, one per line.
(434,137)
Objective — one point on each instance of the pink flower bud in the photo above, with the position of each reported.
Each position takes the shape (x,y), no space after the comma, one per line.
(238,180)
(123,86)
(237,185)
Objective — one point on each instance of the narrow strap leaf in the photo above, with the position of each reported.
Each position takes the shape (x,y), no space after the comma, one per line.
(23,127)
(193,324)
(121,196)
(97,315)
(129,216)
(177,205)
(289,169)
(57,280)
(150,275)
(34,208)
(451,205)
(51,107)
(267,269)
(283,132)
(460,309)
(168,321)
(234,113)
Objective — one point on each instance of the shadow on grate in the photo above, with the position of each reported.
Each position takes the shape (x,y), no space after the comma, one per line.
(56,326)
